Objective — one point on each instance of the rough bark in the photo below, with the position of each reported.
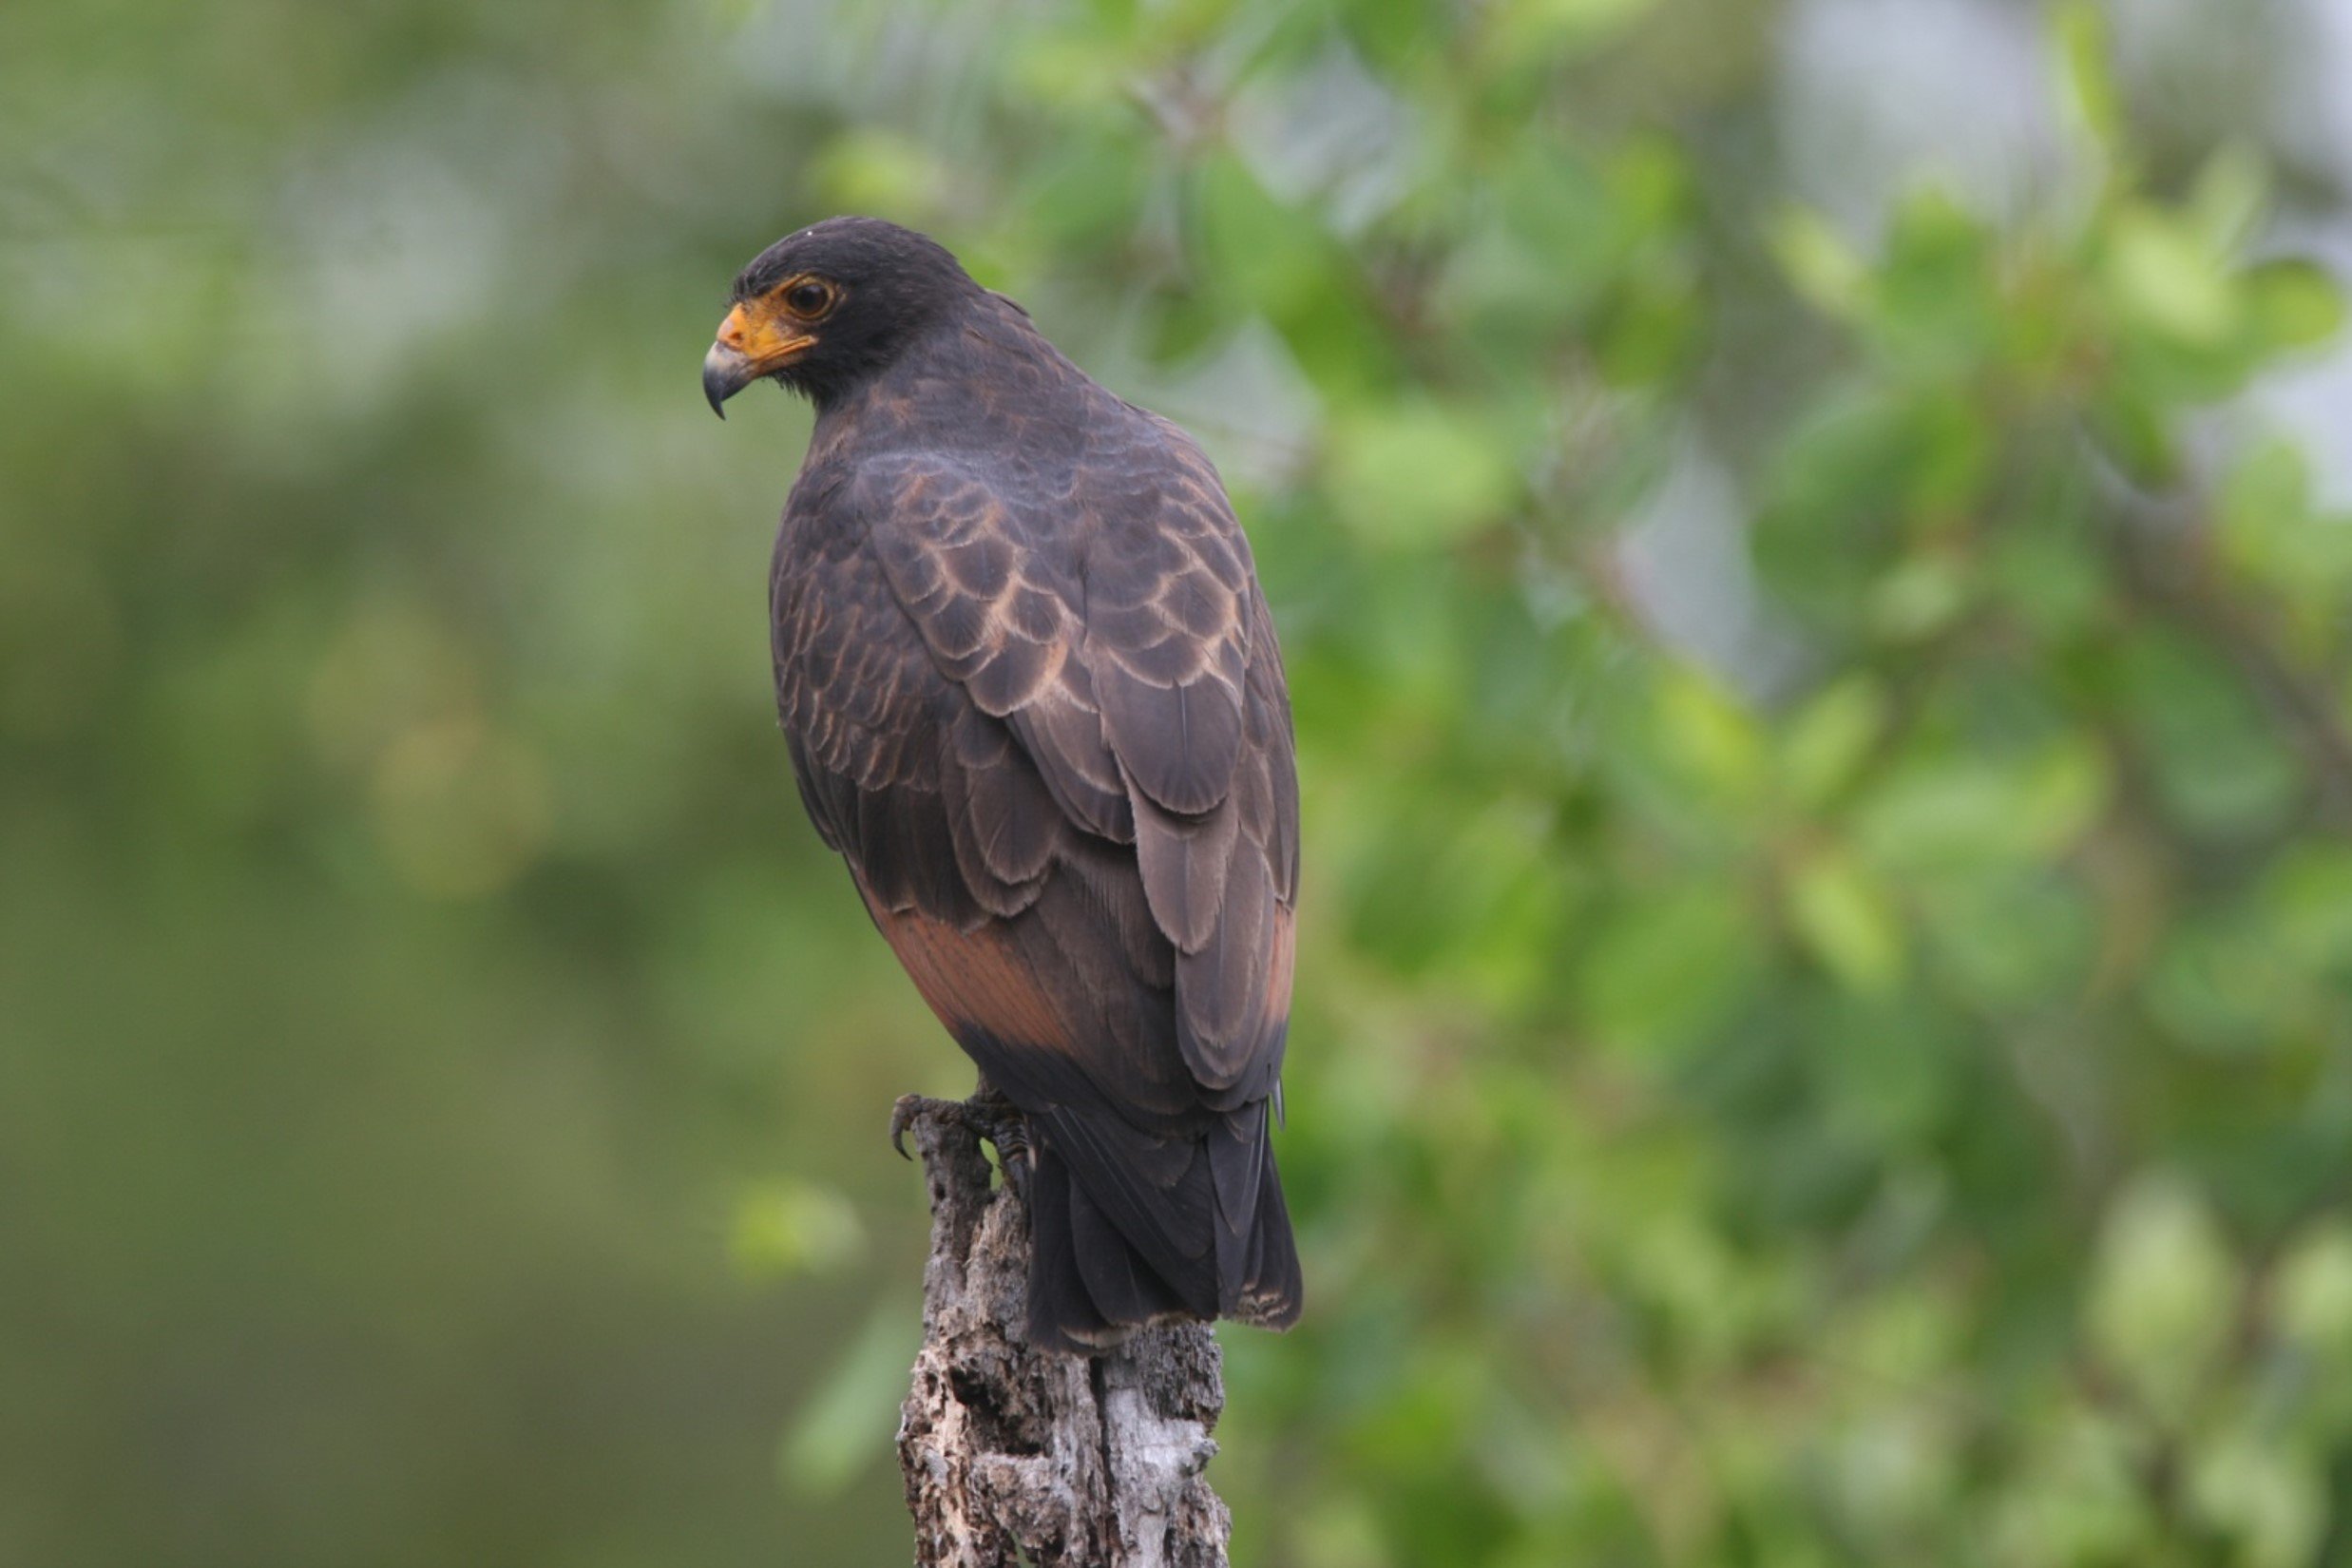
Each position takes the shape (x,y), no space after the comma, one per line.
(1017,1456)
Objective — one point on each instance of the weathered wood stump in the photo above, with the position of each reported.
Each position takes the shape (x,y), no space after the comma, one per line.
(1016,1457)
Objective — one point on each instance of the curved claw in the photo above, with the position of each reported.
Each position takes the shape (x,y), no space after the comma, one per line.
(903,1115)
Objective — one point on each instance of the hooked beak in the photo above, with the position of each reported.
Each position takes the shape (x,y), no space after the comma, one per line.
(726,372)
(750,343)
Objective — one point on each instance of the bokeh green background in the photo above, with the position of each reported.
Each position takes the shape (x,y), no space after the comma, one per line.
(1814,544)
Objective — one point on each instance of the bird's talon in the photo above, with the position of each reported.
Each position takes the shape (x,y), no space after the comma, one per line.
(1006,1127)
(903,1115)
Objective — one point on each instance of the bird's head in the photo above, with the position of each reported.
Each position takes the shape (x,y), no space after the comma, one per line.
(824,309)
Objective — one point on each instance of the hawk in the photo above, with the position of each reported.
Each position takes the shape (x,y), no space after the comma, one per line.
(1033,698)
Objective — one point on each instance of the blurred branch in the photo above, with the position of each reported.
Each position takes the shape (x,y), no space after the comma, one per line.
(2165,563)
(1016,1457)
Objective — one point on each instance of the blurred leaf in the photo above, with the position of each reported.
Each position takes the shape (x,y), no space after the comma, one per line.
(2054,581)
(1829,737)
(2079,1498)
(2312,1296)
(1938,314)
(1418,474)
(2221,988)
(1819,262)
(2296,303)
(2163,1292)
(1977,812)
(2306,900)
(846,1423)
(1847,920)
(1920,598)
(2231,192)
(1707,731)
(2134,433)
(1664,968)
(2086,51)
(2167,279)
(2270,1502)
(791,1227)
(2218,763)
(1267,255)
(875,170)
(1554,26)
(2010,937)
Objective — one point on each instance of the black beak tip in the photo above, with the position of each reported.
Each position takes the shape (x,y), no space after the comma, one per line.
(717,388)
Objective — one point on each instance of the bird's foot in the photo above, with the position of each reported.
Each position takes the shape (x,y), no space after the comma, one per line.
(988,1115)
(1004,1124)
(912,1108)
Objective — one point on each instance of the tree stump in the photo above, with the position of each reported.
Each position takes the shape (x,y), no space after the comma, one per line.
(1016,1457)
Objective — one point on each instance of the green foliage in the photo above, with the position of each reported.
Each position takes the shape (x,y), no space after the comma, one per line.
(1822,1030)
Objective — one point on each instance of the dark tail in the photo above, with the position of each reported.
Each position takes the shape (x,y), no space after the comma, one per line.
(1127,1230)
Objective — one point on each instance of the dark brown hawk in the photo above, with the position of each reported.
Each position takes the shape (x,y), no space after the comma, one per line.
(1034,699)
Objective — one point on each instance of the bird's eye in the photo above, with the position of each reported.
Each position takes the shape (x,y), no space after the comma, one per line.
(807,300)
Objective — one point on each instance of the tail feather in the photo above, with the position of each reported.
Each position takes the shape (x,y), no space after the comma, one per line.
(1089,1279)
(1236,1153)
(1152,1188)
(1063,1315)
(1272,1292)
(1122,1285)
